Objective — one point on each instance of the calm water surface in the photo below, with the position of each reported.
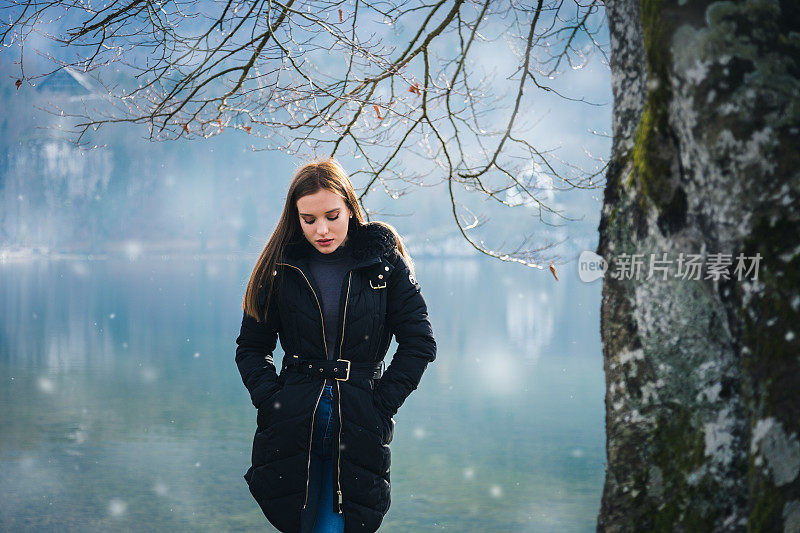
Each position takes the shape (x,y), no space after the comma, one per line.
(122,408)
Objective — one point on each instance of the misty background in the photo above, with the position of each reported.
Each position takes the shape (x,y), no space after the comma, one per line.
(118,192)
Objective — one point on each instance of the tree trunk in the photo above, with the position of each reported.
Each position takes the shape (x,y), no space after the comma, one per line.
(703,375)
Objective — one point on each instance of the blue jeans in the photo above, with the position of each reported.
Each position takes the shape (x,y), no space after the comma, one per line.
(319,516)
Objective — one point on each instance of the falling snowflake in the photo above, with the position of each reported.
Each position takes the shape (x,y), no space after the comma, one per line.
(149,374)
(117,507)
(160,489)
(46,385)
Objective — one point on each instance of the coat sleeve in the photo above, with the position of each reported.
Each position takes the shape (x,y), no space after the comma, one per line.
(255,345)
(407,316)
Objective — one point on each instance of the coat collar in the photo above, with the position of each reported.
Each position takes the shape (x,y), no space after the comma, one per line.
(369,242)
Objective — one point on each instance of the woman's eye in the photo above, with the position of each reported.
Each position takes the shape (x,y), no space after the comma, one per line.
(311,221)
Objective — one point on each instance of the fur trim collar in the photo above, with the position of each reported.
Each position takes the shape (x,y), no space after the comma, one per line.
(371,239)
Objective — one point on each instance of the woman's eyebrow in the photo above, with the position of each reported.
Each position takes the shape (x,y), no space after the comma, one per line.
(329,211)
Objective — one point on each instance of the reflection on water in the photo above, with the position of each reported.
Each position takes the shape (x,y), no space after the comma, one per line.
(122,407)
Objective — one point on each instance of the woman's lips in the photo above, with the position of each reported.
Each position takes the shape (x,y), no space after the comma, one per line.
(325,242)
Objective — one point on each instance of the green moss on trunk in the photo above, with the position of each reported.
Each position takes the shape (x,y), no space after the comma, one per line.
(653,152)
(678,450)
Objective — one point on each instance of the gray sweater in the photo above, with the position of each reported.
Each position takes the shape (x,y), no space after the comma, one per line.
(329,271)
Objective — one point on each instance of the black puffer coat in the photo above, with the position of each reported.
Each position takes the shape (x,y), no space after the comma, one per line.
(379,297)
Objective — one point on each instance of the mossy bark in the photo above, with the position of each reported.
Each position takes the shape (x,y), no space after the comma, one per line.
(703,375)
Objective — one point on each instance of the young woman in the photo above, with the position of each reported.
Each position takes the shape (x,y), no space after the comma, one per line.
(335,289)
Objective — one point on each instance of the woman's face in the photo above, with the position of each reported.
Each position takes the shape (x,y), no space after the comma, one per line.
(324,217)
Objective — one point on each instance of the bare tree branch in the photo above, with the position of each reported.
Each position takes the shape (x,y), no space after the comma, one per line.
(323,77)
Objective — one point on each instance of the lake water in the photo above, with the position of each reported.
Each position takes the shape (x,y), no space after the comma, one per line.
(122,407)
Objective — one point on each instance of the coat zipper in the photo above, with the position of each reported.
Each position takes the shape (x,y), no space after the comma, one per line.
(308,466)
(338,506)
(314,412)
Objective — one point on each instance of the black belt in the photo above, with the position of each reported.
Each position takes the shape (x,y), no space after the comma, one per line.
(339,369)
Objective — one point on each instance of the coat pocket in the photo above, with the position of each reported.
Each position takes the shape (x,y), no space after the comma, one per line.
(267,410)
(385,422)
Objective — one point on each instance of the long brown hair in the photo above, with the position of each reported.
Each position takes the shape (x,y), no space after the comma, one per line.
(309,179)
